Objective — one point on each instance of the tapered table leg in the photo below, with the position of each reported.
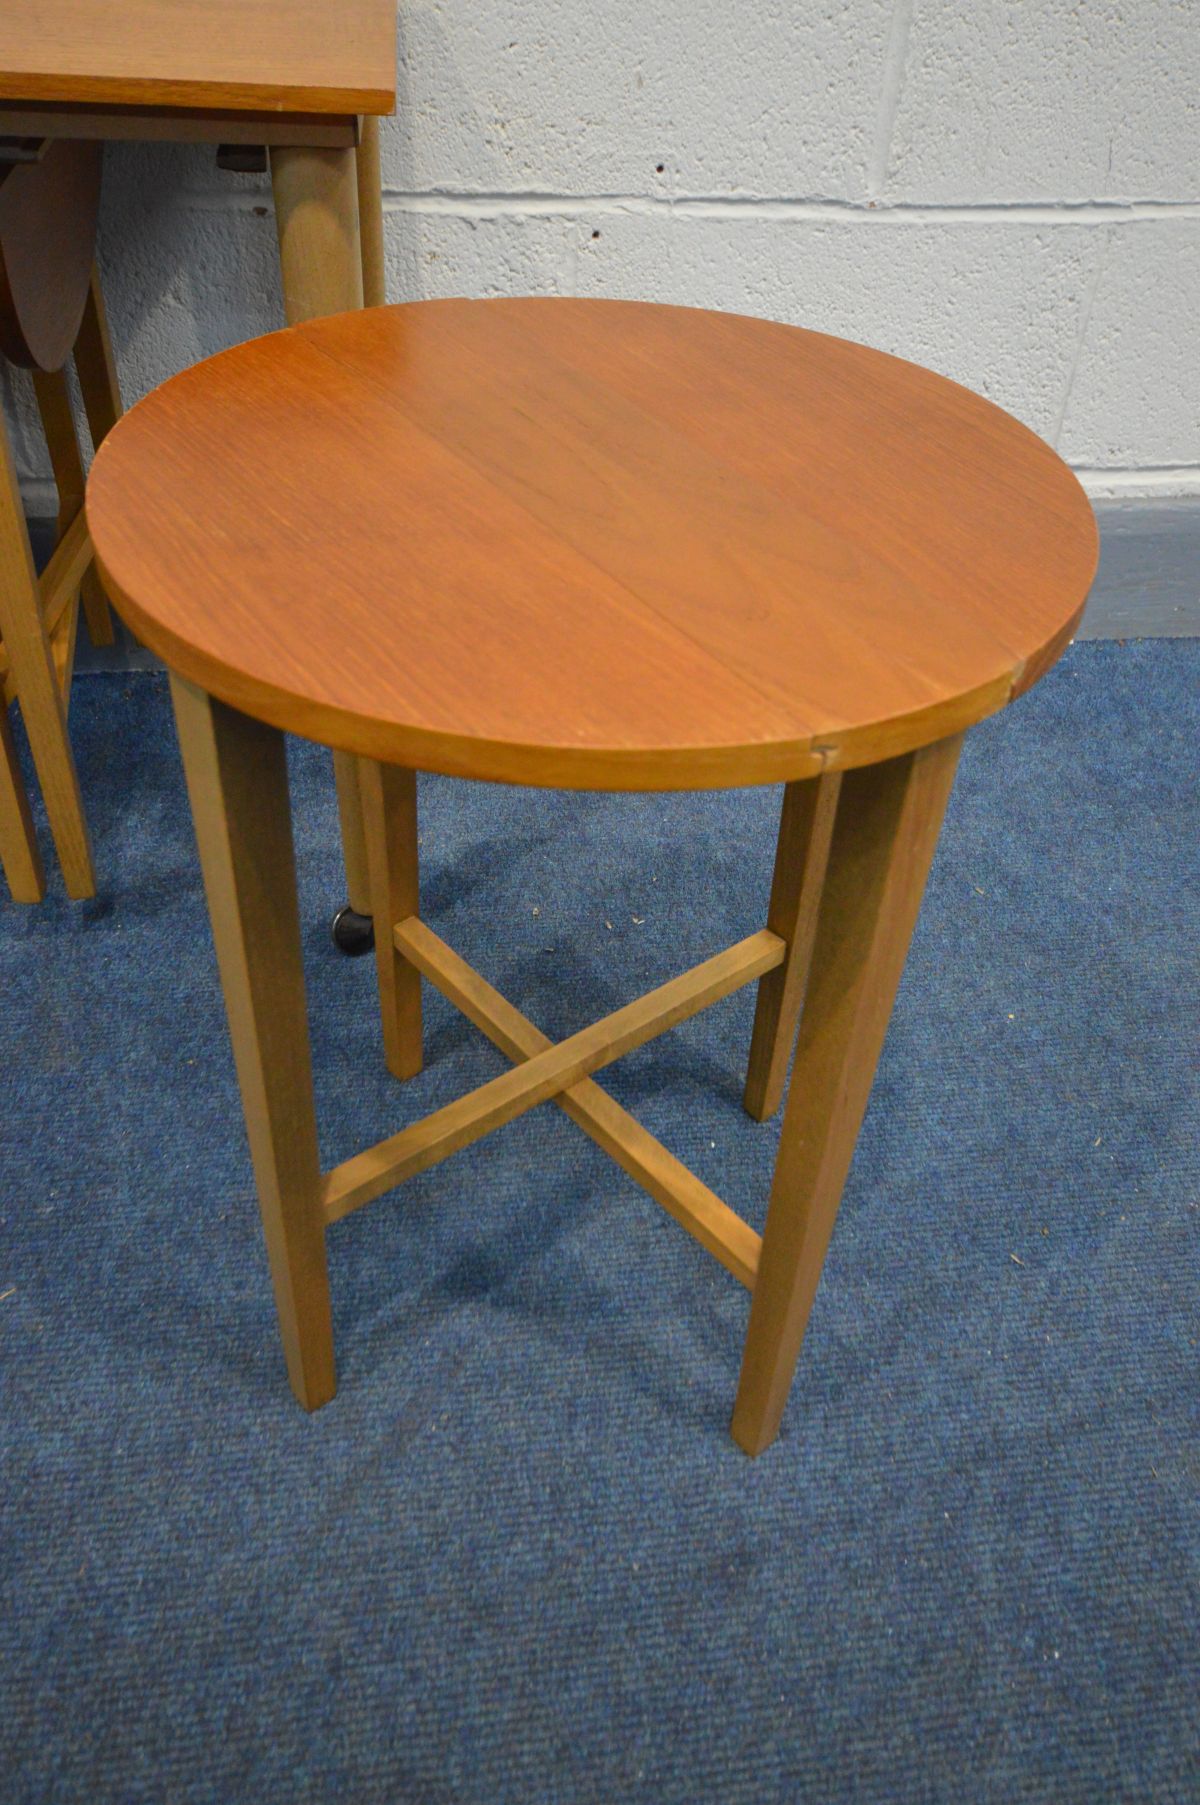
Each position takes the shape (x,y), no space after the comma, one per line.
(237,783)
(96,369)
(884,836)
(42,708)
(370,214)
(320,257)
(802,852)
(19,855)
(62,442)
(390,818)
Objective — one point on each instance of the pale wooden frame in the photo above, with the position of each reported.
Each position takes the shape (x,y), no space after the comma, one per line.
(39,619)
(326,178)
(850,870)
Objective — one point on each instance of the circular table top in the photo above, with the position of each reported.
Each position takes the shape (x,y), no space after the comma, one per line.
(597,544)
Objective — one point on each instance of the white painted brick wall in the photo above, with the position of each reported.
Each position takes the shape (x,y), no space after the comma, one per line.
(1006,190)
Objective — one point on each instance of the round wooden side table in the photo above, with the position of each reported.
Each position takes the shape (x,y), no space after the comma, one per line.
(593,545)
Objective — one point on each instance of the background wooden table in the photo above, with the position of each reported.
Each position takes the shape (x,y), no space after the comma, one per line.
(295,76)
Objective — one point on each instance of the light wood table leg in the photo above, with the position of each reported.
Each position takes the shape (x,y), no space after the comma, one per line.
(887,825)
(19,855)
(354,845)
(96,369)
(320,257)
(66,460)
(237,783)
(805,830)
(316,214)
(390,817)
(62,442)
(370,214)
(31,664)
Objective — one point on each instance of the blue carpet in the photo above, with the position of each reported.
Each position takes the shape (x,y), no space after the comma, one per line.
(518,1557)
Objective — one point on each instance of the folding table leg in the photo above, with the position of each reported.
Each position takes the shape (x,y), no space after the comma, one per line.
(390,819)
(370,214)
(32,666)
(320,256)
(888,819)
(237,783)
(805,830)
(62,442)
(96,369)
(19,853)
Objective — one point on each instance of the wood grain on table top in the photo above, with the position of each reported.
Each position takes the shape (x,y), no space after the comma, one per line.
(265,55)
(591,543)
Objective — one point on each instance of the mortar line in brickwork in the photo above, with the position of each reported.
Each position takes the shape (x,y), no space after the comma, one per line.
(1129,483)
(450,204)
(738,206)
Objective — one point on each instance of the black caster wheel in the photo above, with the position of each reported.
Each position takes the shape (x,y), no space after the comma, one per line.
(353,934)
